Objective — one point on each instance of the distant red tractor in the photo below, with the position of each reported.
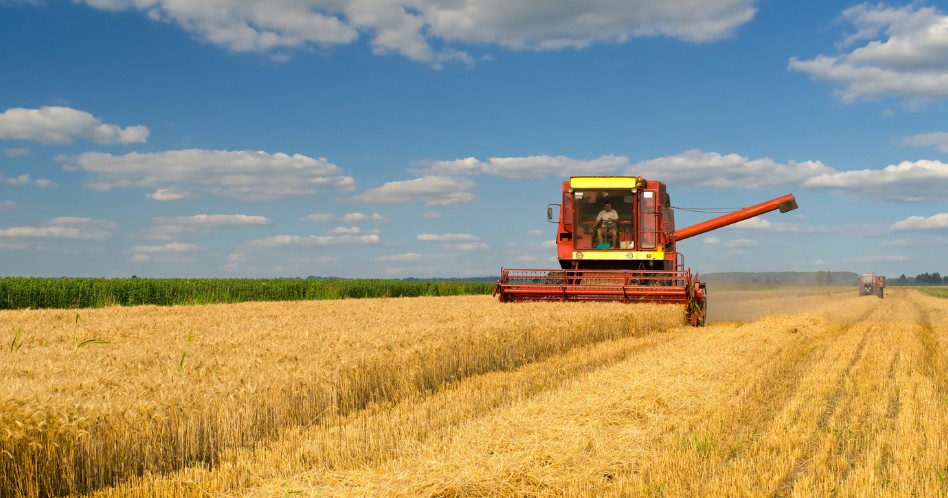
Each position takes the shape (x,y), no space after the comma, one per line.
(871,284)
(630,256)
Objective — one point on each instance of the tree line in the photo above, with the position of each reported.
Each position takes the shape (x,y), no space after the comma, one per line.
(923,279)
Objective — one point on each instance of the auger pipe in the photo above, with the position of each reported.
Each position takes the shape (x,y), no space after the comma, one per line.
(784,204)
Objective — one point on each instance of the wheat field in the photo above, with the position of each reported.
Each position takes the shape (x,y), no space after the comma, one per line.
(788,392)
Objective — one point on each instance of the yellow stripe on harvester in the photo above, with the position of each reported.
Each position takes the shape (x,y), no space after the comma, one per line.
(629,182)
(603,255)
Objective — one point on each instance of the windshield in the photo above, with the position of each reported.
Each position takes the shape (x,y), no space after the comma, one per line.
(589,203)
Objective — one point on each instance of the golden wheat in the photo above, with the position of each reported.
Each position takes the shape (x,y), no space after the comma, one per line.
(835,395)
(101,396)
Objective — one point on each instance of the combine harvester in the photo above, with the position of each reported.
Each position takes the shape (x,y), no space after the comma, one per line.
(634,259)
(871,284)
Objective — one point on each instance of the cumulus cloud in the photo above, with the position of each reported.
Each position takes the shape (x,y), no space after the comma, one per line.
(6,205)
(62,228)
(78,222)
(409,256)
(712,241)
(934,222)
(17,152)
(880,259)
(741,243)
(63,125)
(168,194)
(360,217)
(315,240)
(528,167)
(415,28)
(447,237)
(247,175)
(902,52)
(907,181)
(321,218)
(432,190)
(761,225)
(169,227)
(26,180)
(938,140)
(455,241)
(171,247)
(468,246)
(695,168)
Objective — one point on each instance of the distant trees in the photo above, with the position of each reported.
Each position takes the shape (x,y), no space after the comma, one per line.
(930,279)
(903,280)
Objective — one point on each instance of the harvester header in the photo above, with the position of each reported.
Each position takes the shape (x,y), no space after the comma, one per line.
(616,241)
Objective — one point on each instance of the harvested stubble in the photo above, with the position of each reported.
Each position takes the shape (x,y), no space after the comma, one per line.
(850,399)
(172,387)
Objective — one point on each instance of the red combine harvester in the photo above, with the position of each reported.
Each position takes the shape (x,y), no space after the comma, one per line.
(632,259)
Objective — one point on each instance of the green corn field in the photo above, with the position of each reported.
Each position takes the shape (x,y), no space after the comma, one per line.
(37,293)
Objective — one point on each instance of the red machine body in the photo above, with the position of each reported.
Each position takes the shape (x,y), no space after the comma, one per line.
(634,260)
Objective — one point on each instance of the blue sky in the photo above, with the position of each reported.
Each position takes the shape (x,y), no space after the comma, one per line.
(424,138)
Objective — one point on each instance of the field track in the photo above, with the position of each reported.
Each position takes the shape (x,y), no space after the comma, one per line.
(789,392)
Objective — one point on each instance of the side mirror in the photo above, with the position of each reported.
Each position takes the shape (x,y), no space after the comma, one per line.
(549,214)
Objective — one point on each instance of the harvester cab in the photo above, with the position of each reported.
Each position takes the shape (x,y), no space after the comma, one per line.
(616,241)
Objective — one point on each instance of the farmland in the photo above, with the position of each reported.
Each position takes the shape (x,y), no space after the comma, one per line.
(787,392)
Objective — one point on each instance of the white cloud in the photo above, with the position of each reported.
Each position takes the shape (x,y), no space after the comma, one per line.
(938,140)
(904,243)
(695,168)
(71,221)
(360,217)
(907,181)
(26,180)
(741,243)
(63,125)
(528,167)
(17,152)
(168,194)
(321,218)
(171,247)
(448,237)
(761,225)
(246,175)
(468,246)
(535,232)
(409,256)
(905,54)
(51,232)
(934,222)
(198,221)
(347,230)
(66,227)
(414,28)
(712,241)
(880,259)
(432,190)
(6,205)
(168,227)
(315,240)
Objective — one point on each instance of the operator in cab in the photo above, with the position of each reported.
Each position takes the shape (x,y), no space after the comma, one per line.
(606,221)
